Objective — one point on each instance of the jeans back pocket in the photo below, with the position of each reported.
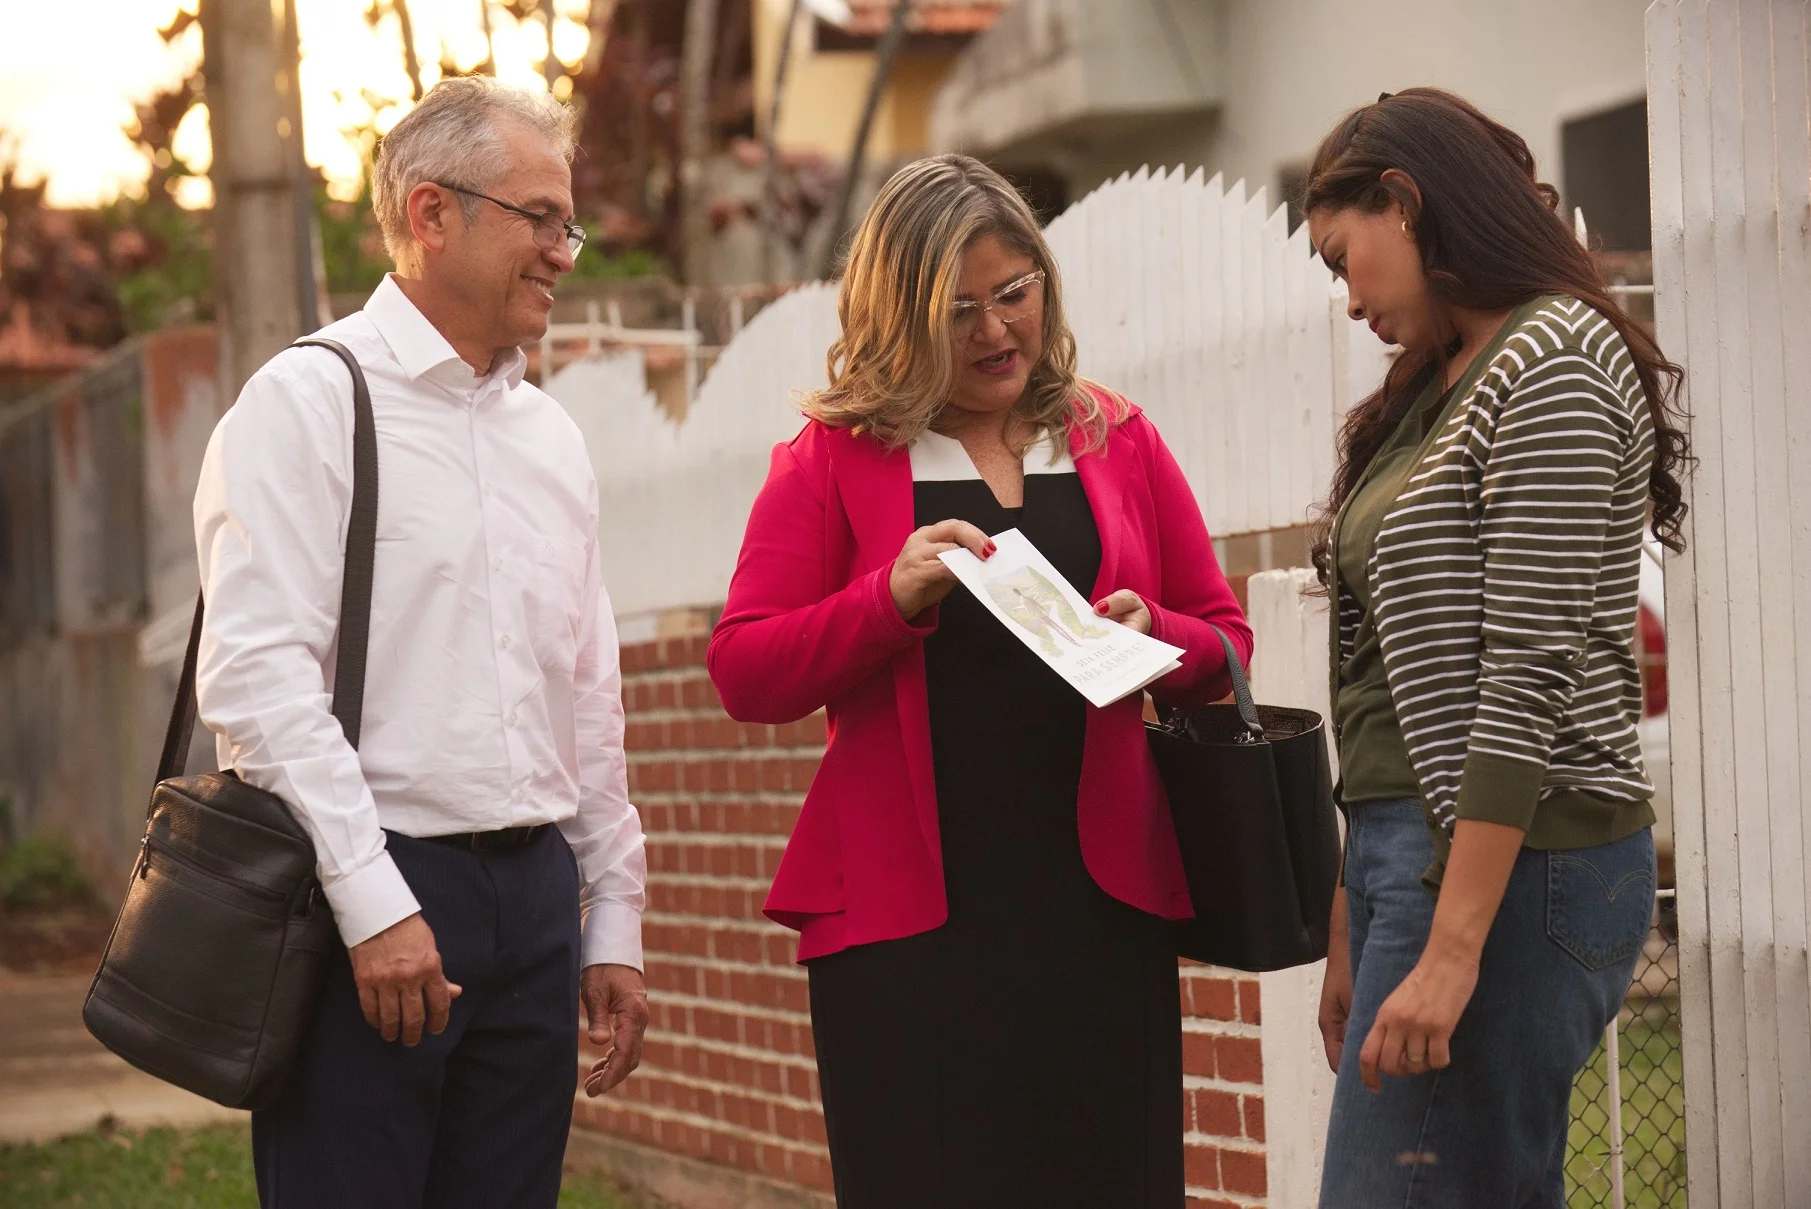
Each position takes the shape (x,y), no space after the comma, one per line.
(1600,901)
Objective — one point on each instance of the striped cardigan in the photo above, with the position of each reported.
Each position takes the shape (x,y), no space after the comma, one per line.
(1504,584)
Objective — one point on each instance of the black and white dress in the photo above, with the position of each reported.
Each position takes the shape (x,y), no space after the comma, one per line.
(1028,1052)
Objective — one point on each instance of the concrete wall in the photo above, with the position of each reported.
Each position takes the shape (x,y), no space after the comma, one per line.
(80,729)
(82,713)
(1293,69)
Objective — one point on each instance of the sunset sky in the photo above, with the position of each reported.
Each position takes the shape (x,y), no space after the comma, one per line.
(70,74)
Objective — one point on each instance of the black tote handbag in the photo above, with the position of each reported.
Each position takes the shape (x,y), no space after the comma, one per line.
(1251,794)
(214,964)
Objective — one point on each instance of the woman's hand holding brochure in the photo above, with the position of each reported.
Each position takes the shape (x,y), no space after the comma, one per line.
(1103,659)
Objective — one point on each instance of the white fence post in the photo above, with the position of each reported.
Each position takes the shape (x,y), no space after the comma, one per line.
(1291,669)
(1730,142)
(1612,1050)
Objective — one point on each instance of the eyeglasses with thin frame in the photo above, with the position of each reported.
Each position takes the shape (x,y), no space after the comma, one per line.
(548,227)
(1012,302)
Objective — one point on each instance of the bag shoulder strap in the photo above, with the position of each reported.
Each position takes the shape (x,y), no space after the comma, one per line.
(355,589)
(1241,688)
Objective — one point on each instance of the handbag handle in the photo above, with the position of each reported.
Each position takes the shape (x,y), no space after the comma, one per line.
(355,589)
(1241,690)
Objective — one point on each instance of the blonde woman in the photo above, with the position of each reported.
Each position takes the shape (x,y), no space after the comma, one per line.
(984,870)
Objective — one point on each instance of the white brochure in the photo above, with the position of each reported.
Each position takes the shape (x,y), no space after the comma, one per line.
(1102,659)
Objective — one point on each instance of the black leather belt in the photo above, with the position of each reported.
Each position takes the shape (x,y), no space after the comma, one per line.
(509,839)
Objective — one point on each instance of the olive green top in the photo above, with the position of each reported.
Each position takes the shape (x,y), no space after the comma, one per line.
(1494,571)
(1373,760)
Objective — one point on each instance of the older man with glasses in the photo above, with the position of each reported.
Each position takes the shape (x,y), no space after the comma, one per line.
(478,849)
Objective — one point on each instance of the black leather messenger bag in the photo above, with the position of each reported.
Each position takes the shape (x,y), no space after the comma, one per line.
(215,962)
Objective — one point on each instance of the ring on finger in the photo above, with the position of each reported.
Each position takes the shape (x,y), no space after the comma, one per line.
(1417,1059)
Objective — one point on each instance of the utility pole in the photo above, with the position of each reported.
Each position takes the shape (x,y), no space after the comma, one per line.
(551,67)
(695,137)
(265,291)
(770,190)
(886,53)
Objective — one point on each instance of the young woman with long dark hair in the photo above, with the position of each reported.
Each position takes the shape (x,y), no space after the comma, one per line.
(1481,547)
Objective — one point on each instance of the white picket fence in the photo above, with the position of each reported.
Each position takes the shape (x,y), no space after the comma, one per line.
(1195,300)
(1191,298)
(1729,128)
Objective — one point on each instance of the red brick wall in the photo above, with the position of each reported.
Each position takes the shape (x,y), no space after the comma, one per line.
(728,1073)
(1222,1079)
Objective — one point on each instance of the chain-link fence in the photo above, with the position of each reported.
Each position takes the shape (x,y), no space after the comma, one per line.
(1627,1143)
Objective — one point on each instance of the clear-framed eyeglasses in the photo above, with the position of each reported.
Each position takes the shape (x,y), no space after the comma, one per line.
(1012,302)
(549,228)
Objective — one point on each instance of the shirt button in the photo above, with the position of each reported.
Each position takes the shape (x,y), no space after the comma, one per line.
(487,489)
(521,795)
(512,717)
(496,564)
(503,642)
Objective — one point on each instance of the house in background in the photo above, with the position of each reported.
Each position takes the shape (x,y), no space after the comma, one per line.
(1065,94)
(829,68)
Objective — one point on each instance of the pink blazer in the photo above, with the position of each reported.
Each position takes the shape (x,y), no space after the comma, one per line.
(810,624)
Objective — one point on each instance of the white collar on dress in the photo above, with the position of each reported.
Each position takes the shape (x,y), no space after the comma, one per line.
(940,459)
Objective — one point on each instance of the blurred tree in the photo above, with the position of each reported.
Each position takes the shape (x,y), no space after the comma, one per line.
(55,297)
(627,179)
(411,62)
(352,248)
(75,281)
(541,11)
(489,66)
(154,122)
(160,262)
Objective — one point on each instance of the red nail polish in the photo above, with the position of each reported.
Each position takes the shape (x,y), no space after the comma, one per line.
(1101,608)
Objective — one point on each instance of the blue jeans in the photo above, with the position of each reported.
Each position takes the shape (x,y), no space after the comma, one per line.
(1489,1131)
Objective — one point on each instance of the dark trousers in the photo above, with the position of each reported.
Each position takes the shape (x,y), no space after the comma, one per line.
(476,1117)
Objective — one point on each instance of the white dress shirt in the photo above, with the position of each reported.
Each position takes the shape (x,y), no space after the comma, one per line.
(492,693)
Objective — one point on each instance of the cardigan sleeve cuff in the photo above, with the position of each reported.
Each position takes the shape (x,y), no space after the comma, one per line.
(886,614)
(1162,628)
(1495,790)
(1160,621)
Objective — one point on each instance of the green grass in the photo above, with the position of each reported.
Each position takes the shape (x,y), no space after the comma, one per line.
(170,1169)
(160,1169)
(1653,1116)
(40,871)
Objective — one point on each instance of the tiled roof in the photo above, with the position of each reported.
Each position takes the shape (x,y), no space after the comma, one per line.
(870,17)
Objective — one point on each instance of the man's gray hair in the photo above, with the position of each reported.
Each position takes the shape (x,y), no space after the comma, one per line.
(452,136)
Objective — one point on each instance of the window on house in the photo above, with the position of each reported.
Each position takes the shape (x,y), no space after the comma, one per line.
(1292,187)
(1605,173)
(1045,190)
